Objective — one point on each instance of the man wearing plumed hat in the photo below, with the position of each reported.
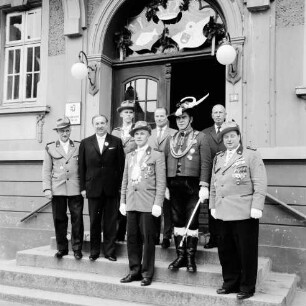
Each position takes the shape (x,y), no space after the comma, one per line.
(142,195)
(127,112)
(188,161)
(237,196)
(61,184)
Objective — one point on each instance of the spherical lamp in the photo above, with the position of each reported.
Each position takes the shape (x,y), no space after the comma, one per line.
(79,71)
(226,54)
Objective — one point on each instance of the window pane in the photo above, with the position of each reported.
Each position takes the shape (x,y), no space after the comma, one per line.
(36,80)
(152,90)
(37,59)
(17,61)
(9,88)
(139,111)
(16,87)
(151,106)
(29,86)
(141,89)
(29,59)
(10,61)
(34,24)
(15,28)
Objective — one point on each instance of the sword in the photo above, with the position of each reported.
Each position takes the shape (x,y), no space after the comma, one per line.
(189,222)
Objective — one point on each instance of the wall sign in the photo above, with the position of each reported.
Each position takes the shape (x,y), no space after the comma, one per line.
(73,112)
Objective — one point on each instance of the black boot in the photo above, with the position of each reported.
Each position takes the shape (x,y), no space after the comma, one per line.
(180,261)
(192,243)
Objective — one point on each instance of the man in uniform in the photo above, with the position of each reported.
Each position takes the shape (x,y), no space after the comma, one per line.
(101,167)
(216,145)
(237,197)
(142,196)
(158,140)
(60,176)
(127,113)
(188,161)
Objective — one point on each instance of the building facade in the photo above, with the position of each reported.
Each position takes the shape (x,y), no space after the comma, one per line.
(156,57)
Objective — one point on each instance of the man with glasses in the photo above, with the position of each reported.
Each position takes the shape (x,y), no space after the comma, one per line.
(61,184)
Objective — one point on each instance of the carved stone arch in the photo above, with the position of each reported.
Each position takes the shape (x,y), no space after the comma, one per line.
(232,11)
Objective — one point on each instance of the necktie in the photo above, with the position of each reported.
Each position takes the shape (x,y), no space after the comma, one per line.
(159,136)
(218,130)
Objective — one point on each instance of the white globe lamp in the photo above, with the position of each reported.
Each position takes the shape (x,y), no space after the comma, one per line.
(79,71)
(226,54)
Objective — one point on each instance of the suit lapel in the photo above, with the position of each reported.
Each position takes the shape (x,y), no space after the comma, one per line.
(106,143)
(60,149)
(145,156)
(214,134)
(165,135)
(95,143)
(71,149)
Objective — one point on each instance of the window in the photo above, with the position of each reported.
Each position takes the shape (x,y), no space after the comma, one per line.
(144,93)
(22,56)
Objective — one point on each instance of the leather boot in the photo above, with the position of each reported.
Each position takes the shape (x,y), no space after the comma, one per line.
(192,243)
(180,261)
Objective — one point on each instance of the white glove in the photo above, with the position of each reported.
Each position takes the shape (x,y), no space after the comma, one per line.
(122,209)
(83,193)
(256,213)
(167,194)
(48,194)
(156,211)
(203,194)
(213,213)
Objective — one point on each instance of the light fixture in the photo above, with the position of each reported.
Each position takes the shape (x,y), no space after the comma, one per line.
(80,70)
(226,53)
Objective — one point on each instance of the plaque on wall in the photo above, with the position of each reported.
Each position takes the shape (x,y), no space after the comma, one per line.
(73,112)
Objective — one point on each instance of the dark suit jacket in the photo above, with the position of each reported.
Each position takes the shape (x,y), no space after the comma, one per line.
(101,173)
(216,145)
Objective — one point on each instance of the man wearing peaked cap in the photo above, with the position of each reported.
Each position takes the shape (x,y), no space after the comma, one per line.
(142,195)
(188,161)
(237,196)
(127,112)
(61,184)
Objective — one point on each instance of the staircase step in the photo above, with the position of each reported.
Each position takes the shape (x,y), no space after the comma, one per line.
(276,290)
(28,296)
(167,255)
(207,274)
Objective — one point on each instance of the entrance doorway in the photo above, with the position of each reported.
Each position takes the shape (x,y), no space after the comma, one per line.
(197,78)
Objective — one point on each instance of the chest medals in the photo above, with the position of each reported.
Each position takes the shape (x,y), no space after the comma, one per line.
(177,141)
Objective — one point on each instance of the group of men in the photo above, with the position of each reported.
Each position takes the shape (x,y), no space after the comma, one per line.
(161,173)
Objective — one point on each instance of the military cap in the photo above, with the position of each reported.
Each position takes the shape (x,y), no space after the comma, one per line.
(62,123)
(140,125)
(127,104)
(186,105)
(229,126)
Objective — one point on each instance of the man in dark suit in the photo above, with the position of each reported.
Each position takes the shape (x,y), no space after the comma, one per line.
(158,140)
(101,164)
(216,145)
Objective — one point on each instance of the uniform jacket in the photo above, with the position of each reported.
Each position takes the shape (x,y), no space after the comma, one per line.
(215,143)
(128,143)
(60,172)
(161,145)
(196,163)
(150,190)
(238,186)
(101,172)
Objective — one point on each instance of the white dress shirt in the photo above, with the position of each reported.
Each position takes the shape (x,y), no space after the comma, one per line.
(65,145)
(101,140)
(140,152)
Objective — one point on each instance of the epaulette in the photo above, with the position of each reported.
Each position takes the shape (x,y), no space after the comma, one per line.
(250,148)
(50,143)
(76,141)
(220,152)
(155,149)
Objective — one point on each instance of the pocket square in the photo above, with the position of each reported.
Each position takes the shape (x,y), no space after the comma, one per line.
(111,148)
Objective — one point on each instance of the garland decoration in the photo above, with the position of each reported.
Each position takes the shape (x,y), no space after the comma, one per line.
(190,142)
(213,29)
(123,38)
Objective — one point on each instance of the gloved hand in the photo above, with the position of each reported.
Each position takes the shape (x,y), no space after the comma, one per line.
(48,194)
(203,194)
(156,211)
(122,209)
(167,194)
(256,213)
(213,213)
(83,193)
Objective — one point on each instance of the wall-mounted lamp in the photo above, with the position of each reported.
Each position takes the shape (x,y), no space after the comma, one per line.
(80,70)
(226,53)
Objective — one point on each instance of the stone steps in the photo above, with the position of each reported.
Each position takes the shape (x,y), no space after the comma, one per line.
(276,289)
(208,274)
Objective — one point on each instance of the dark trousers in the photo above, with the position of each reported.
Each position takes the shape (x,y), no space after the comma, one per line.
(238,253)
(184,195)
(60,219)
(167,217)
(212,227)
(106,208)
(141,233)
